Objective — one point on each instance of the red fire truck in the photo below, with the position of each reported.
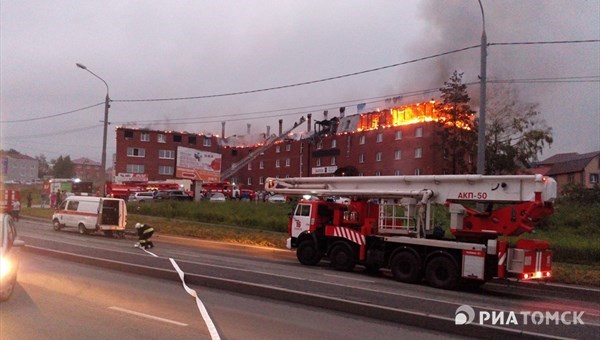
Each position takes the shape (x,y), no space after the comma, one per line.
(389,223)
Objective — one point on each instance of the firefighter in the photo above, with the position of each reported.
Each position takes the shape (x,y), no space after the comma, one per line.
(144,234)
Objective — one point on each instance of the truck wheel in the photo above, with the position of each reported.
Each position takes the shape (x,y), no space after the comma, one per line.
(56,225)
(343,257)
(441,272)
(82,229)
(308,253)
(406,267)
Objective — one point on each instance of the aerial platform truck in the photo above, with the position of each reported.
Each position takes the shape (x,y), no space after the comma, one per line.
(389,223)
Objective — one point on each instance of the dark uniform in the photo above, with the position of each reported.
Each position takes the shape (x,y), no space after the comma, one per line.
(144,234)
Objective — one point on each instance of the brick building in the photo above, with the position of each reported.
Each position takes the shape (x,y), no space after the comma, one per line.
(87,169)
(397,141)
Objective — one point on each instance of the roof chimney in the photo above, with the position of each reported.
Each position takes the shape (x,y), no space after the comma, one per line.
(222,129)
(342,112)
(248,128)
(308,121)
(268,131)
(280,126)
(325,115)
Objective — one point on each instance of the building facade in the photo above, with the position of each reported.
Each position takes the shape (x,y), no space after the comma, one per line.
(87,169)
(573,169)
(392,142)
(15,167)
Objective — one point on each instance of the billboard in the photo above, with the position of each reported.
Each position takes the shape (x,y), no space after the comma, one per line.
(198,165)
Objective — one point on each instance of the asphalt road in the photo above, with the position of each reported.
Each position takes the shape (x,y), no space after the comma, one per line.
(277,274)
(58,299)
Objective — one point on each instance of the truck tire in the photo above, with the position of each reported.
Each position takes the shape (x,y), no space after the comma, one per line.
(441,272)
(308,253)
(343,257)
(406,267)
(82,229)
(56,224)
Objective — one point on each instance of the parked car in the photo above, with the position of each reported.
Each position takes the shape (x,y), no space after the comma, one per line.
(178,195)
(276,199)
(142,196)
(9,256)
(217,197)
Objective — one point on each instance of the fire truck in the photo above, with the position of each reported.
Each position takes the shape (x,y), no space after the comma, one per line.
(389,223)
(7,198)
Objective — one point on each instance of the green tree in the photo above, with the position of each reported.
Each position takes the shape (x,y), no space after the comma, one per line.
(63,167)
(43,166)
(515,134)
(457,137)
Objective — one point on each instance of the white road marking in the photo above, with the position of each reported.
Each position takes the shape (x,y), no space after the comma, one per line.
(148,316)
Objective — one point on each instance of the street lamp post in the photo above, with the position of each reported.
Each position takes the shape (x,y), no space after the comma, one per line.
(106,106)
(482,89)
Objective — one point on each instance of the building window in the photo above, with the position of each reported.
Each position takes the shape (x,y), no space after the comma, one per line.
(166,154)
(261,180)
(571,178)
(419,132)
(593,178)
(418,153)
(249,181)
(135,168)
(318,161)
(378,173)
(417,172)
(136,152)
(261,165)
(361,140)
(250,166)
(332,160)
(277,148)
(128,134)
(165,170)
(319,145)
(378,156)
(145,137)
(192,140)
(397,173)
(207,141)
(361,158)
(161,138)
(288,162)
(333,144)
(397,154)
(398,135)
(288,147)
(301,147)
(380,137)
(277,163)
(177,138)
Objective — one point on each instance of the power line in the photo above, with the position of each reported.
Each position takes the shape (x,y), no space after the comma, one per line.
(324,79)
(49,116)
(63,132)
(327,106)
(302,83)
(545,42)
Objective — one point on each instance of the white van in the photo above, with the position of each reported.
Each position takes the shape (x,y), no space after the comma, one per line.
(89,214)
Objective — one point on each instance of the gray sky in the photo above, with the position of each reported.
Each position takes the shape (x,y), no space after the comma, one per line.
(151,49)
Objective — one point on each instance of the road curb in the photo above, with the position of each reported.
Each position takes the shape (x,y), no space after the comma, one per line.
(406,317)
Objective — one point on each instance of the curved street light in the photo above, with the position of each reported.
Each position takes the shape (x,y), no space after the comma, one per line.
(482,90)
(106,106)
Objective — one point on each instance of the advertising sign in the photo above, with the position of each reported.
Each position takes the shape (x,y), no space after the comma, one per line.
(198,165)
(324,170)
